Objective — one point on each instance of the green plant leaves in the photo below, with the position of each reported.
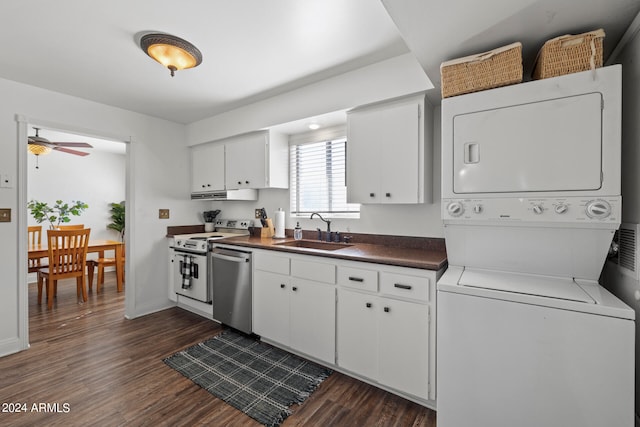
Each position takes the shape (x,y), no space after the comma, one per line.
(60,212)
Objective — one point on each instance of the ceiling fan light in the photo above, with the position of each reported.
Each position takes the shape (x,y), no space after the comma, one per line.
(38,149)
(170,51)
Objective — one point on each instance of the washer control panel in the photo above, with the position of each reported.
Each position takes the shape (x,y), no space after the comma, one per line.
(562,209)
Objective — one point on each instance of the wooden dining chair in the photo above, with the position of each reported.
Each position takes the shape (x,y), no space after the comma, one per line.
(101,263)
(70,227)
(35,238)
(67,259)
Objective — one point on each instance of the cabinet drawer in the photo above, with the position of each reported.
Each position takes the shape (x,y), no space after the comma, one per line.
(311,270)
(272,263)
(358,278)
(401,285)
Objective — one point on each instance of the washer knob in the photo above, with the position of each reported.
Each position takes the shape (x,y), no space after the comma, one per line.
(455,209)
(538,209)
(598,209)
(561,208)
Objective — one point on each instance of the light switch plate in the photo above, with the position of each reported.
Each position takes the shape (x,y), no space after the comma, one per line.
(5,215)
(163,213)
(5,181)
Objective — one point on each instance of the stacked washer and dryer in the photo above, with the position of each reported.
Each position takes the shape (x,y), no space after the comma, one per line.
(531,201)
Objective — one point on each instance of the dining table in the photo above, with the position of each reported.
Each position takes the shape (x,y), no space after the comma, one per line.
(38,250)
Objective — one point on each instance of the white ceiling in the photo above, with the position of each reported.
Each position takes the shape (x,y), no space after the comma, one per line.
(254,49)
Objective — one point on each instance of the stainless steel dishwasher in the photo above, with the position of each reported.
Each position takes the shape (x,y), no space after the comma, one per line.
(232,286)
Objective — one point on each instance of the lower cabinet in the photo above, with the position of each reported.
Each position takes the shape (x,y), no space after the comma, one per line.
(385,340)
(371,320)
(296,312)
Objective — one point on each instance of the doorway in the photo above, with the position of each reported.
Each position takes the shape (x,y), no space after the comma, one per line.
(98,179)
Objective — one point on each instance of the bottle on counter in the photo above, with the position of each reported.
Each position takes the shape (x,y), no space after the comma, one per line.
(297,232)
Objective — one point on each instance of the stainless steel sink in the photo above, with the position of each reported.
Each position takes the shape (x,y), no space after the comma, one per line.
(315,244)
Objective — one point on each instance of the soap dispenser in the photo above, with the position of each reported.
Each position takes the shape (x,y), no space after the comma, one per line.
(297,232)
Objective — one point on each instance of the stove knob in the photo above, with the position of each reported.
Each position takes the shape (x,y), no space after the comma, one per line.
(455,209)
(598,209)
(538,209)
(561,208)
(178,242)
(477,208)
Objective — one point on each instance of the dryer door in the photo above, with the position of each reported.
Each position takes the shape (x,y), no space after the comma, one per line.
(552,145)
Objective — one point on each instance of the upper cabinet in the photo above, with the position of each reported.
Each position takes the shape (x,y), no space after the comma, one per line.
(389,152)
(207,168)
(257,160)
(250,161)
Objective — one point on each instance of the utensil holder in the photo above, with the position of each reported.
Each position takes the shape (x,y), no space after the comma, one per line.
(268,230)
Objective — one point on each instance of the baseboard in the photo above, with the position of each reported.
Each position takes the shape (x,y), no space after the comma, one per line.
(11,346)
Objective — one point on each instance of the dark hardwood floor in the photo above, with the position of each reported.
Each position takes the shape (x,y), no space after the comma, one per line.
(94,367)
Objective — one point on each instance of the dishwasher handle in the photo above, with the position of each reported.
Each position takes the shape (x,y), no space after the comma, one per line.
(231,255)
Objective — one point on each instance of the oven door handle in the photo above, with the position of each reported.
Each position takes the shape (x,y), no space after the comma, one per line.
(187,251)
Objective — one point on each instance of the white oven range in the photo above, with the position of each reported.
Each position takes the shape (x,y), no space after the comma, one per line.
(191,264)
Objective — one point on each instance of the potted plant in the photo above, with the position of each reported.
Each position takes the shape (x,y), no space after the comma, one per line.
(60,212)
(117,216)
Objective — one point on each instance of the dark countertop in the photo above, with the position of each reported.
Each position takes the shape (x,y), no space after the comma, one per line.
(431,257)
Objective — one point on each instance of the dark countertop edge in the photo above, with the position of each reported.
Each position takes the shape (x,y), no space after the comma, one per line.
(370,258)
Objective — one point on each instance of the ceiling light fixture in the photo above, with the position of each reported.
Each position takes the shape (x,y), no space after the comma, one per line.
(314,126)
(171,51)
(38,149)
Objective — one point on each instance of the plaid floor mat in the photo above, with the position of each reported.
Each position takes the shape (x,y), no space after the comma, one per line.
(260,380)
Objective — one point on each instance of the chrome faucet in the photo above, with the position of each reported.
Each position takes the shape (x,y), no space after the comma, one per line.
(328,225)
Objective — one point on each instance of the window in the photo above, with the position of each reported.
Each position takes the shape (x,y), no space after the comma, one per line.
(318,179)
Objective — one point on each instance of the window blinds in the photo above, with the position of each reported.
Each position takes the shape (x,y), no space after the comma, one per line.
(318,178)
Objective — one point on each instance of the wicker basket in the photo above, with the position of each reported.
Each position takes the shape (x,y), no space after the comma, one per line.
(498,67)
(569,54)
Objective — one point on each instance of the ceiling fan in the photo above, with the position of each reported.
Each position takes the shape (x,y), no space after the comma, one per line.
(39,145)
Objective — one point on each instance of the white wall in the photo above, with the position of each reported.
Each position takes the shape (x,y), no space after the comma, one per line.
(394,77)
(154,182)
(621,285)
(97,179)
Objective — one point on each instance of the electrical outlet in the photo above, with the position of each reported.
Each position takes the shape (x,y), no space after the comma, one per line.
(163,213)
(5,215)
(258,213)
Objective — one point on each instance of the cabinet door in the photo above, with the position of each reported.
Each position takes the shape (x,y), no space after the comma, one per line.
(404,346)
(207,168)
(363,157)
(246,162)
(400,154)
(313,315)
(357,332)
(384,155)
(271,306)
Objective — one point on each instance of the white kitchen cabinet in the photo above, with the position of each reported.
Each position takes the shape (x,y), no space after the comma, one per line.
(385,334)
(207,167)
(257,160)
(357,332)
(271,305)
(389,152)
(385,339)
(296,312)
(312,310)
